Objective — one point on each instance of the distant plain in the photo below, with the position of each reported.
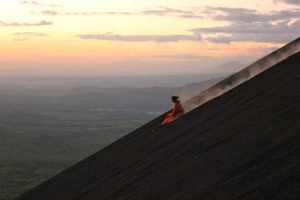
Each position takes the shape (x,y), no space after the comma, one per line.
(48,124)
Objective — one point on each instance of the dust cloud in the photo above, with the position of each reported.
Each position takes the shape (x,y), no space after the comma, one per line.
(243,75)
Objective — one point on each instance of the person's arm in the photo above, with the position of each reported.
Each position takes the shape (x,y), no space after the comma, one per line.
(175,110)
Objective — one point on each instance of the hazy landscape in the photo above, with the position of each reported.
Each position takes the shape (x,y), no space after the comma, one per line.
(242,144)
(85,86)
(48,124)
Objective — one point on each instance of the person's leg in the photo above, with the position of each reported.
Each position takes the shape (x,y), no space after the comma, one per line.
(168,119)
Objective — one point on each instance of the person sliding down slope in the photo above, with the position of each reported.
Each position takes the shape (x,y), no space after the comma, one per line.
(177,111)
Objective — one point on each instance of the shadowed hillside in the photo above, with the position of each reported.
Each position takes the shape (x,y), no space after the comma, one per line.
(241,145)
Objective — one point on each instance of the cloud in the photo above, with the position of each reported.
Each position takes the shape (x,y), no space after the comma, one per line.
(20,24)
(255,28)
(49,12)
(295,2)
(31,34)
(249,25)
(24,36)
(248,15)
(54,13)
(254,32)
(164,11)
(21,39)
(283,38)
(35,3)
(142,38)
(214,13)
(154,12)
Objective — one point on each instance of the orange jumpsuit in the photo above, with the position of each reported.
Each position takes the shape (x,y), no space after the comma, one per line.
(176,113)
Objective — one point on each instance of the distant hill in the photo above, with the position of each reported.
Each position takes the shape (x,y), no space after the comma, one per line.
(230,67)
(39,83)
(189,90)
(243,144)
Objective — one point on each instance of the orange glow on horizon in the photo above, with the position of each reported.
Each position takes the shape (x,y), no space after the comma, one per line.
(29,36)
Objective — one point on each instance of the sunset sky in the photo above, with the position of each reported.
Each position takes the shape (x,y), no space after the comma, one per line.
(133,37)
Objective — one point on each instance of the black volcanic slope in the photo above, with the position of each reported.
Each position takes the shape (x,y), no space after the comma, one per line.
(244,144)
